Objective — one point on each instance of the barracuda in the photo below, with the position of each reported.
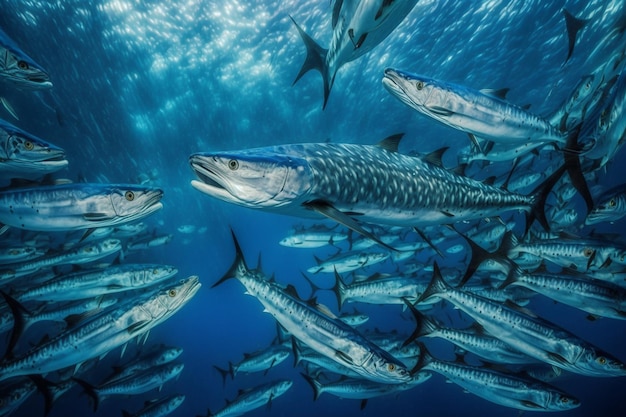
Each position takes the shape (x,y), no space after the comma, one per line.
(102,333)
(610,206)
(506,389)
(23,155)
(19,69)
(358,26)
(260,361)
(475,112)
(133,384)
(326,335)
(77,206)
(534,336)
(96,283)
(253,398)
(345,182)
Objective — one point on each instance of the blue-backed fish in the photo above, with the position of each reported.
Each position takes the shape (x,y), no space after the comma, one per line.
(253,398)
(23,155)
(350,183)
(358,26)
(18,69)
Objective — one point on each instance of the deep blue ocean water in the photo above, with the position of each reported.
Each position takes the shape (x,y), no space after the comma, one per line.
(140,85)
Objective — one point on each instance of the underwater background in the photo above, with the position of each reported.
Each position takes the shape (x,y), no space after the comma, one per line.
(141,85)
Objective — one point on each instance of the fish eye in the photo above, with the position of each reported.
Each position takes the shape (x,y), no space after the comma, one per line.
(612,203)
(155,271)
(419,85)
(391,367)
(22,65)
(233,164)
(129,195)
(564,400)
(29,145)
(172,293)
(588,252)
(602,360)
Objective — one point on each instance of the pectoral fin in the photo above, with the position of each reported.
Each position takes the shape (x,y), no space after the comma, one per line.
(331,212)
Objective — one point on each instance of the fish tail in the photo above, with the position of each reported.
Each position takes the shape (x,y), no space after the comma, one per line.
(20,322)
(89,390)
(315,59)
(43,386)
(479,255)
(315,384)
(571,156)
(424,359)
(574,25)
(511,278)
(423,325)
(339,289)
(436,286)
(238,266)
(539,196)
(224,372)
(297,354)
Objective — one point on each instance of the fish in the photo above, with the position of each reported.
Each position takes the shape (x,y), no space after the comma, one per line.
(253,398)
(77,206)
(475,112)
(326,335)
(351,183)
(358,27)
(18,69)
(23,155)
(348,261)
(260,361)
(507,389)
(87,284)
(133,384)
(573,25)
(155,356)
(158,408)
(532,335)
(149,242)
(610,206)
(361,389)
(315,237)
(97,336)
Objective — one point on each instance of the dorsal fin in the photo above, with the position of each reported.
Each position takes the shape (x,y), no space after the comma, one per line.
(391,143)
(498,93)
(436,156)
(510,304)
(291,290)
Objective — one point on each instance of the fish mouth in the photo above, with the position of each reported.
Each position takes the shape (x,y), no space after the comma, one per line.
(211,182)
(394,82)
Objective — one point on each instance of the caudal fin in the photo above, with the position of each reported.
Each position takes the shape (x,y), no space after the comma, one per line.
(339,289)
(239,264)
(574,25)
(315,384)
(315,59)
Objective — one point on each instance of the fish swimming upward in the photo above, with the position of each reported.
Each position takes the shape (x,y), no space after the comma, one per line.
(358,27)
(346,182)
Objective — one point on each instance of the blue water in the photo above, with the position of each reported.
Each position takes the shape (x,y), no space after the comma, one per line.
(140,85)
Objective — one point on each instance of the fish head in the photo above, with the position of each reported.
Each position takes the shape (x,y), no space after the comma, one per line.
(594,361)
(258,178)
(132,202)
(281,387)
(21,147)
(152,275)
(19,69)
(423,94)
(170,354)
(560,401)
(386,367)
(173,297)
(608,209)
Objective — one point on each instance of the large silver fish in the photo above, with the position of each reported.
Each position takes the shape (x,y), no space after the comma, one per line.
(358,26)
(77,206)
(19,69)
(23,155)
(102,333)
(327,335)
(475,112)
(346,182)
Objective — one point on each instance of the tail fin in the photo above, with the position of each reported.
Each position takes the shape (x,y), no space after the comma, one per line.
(315,384)
(479,255)
(540,195)
(224,372)
(20,315)
(315,59)
(43,386)
(574,25)
(424,359)
(297,355)
(91,391)
(239,264)
(339,289)
(424,325)
(436,287)
(574,169)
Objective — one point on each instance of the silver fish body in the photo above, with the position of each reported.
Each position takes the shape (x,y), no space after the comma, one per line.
(77,206)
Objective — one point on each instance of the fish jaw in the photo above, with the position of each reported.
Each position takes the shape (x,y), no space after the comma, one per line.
(268,180)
